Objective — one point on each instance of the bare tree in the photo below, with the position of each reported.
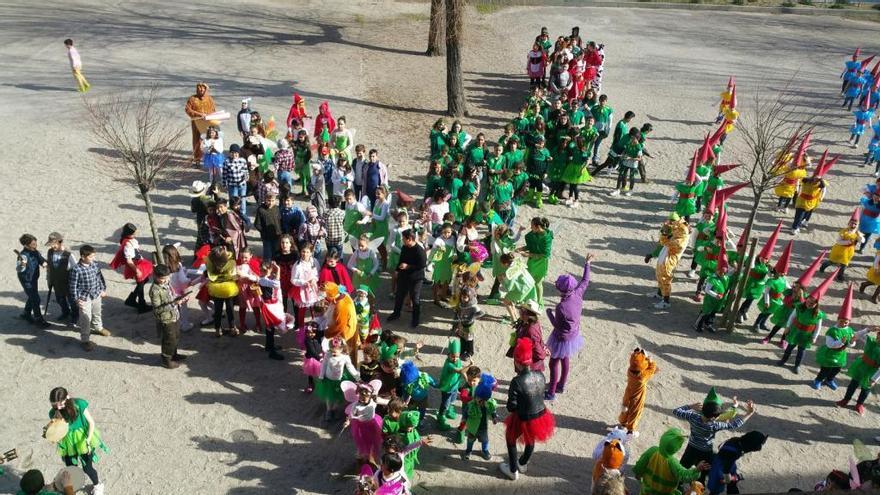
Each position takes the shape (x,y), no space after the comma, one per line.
(142,141)
(436,43)
(456,104)
(769,134)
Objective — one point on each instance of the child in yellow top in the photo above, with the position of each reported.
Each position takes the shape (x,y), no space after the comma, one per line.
(845,247)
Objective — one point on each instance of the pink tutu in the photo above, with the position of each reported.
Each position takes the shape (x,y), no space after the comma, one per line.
(311,367)
(367,437)
(560,348)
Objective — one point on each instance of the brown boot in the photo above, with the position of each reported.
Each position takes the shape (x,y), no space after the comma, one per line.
(168,363)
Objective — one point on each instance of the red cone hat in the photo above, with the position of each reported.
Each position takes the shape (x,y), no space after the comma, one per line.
(825,167)
(811,270)
(706,154)
(820,291)
(712,203)
(692,171)
(767,251)
(782,262)
(855,216)
(866,103)
(855,55)
(867,61)
(720,169)
(802,149)
(721,226)
(716,137)
(876,70)
(846,308)
(722,266)
(733,97)
(727,192)
(731,81)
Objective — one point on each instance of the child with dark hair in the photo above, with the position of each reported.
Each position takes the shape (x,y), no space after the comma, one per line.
(134,265)
(88,288)
(314,354)
(466,394)
(476,417)
(165,309)
(81,443)
(391,476)
(723,475)
(60,263)
(28,268)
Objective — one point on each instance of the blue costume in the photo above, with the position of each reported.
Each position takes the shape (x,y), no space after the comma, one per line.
(868,222)
(851,70)
(863,119)
(724,463)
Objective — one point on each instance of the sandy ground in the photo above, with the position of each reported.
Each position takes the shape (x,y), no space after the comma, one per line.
(232,421)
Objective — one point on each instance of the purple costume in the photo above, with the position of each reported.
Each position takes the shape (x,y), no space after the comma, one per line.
(565,340)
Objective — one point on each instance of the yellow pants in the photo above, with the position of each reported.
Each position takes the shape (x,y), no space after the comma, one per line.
(81,80)
(665,273)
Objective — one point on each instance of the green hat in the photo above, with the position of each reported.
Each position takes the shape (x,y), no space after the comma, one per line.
(365,288)
(713,398)
(454,346)
(387,352)
(674,217)
(409,419)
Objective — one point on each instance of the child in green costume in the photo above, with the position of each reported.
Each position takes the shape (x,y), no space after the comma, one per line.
(409,421)
(659,472)
(774,289)
(865,372)
(450,379)
(357,216)
(805,324)
(715,290)
(758,275)
(576,169)
(364,263)
(80,444)
(831,357)
(441,256)
(539,243)
(503,242)
(538,165)
(476,417)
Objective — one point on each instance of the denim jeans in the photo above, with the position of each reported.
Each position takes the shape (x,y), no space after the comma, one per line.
(240,192)
(269,248)
(32,306)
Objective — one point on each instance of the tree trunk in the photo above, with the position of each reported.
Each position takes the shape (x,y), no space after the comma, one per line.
(436,44)
(731,309)
(152,219)
(455,101)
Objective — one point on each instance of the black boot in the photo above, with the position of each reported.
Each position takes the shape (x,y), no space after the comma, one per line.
(417,311)
(131,300)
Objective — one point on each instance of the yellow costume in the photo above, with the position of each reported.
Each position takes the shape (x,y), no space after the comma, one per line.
(790,183)
(197,106)
(730,116)
(726,97)
(811,194)
(221,278)
(343,322)
(674,240)
(843,251)
(873,275)
(641,369)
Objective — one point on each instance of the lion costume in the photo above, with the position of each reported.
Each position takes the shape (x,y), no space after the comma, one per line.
(641,369)
(343,319)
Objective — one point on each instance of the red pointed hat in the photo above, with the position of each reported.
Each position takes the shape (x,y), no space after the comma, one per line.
(712,203)
(742,240)
(782,263)
(706,153)
(825,166)
(866,103)
(722,266)
(522,353)
(720,169)
(820,291)
(733,97)
(867,61)
(727,192)
(716,137)
(846,307)
(692,171)
(767,251)
(802,148)
(876,70)
(811,270)
(721,226)
(855,216)
(856,54)
(731,81)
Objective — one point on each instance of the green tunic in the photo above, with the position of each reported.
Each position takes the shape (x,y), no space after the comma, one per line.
(390,426)
(412,458)
(714,183)
(590,134)
(783,311)
(540,244)
(776,290)
(453,187)
(365,265)
(441,256)
(476,156)
(379,227)
(709,259)
(495,164)
(687,199)
(863,368)
(539,162)
(806,322)
(438,140)
(757,279)
(475,415)
(835,358)
(450,377)
(75,443)
(350,222)
(718,284)
(433,183)
(500,247)
(518,181)
(511,158)
(394,252)
(703,171)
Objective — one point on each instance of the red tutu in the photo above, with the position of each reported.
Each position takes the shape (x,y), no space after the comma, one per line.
(530,431)
(145,267)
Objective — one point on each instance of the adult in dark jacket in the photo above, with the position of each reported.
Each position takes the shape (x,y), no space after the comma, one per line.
(529,421)
(410,276)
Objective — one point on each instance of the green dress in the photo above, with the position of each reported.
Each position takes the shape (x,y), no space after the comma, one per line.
(380,227)
(783,311)
(350,222)
(577,166)
(365,265)
(500,247)
(341,144)
(454,187)
(757,280)
(687,199)
(394,251)
(863,368)
(75,444)
(539,243)
(776,290)
(518,285)
(718,284)
(590,134)
(539,163)
(495,164)
(442,255)
(433,183)
(805,323)
(835,358)
(437,141)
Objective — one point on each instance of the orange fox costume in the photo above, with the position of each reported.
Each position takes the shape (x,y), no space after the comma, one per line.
(612,459)
(343,319)
(641,369)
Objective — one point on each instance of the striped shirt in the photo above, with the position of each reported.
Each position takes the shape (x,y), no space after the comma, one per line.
(703,432)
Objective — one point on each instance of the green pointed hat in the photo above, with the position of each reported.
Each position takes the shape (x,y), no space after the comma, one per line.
(713,398)
(454,346)
(387,352)
(365,288)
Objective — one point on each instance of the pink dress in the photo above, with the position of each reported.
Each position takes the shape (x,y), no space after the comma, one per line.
(304,285)
(247,297)
(366,429)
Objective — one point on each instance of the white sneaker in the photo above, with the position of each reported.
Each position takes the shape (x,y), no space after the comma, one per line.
(522,468)
(628,193)
(505,468)
(615,192)
(795,231)
(876,174)
(98,489)
(574,205)
(662,305)
(692,275)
